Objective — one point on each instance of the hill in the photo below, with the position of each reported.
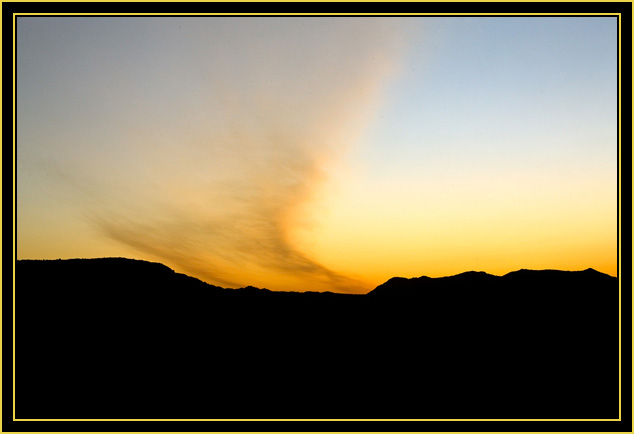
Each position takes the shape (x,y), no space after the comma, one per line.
(552,280)
(119,338)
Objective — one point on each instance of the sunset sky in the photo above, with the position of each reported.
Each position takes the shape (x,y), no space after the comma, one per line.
(319,153)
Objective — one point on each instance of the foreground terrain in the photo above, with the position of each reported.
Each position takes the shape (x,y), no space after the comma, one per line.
(120,338)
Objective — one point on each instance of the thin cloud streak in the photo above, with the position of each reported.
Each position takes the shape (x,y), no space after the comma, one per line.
(215,170)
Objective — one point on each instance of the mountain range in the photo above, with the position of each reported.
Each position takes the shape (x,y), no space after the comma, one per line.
(122,338)
(138,274)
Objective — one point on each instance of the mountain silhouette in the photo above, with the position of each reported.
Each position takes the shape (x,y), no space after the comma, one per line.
(522,279)
(122,338)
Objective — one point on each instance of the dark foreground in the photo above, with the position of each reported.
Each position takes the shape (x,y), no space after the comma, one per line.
(116,338)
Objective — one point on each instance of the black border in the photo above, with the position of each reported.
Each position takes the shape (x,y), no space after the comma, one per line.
(451,9)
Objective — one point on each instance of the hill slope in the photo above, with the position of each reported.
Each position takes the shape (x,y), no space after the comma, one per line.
(517,280)
(130,339)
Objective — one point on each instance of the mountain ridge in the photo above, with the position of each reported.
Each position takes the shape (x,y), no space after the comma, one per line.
(147,342)
(143,267)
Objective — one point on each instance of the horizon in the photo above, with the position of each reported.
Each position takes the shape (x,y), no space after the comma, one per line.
(332,290)
(274,151)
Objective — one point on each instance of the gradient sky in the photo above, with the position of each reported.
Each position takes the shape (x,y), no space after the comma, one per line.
(306,153)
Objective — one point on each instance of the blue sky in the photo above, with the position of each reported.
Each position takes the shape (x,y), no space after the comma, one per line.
(490,87)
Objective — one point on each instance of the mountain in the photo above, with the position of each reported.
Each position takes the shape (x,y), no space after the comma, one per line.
(143,275)
(132,275)
(474,280)
(120,338)
(110,274)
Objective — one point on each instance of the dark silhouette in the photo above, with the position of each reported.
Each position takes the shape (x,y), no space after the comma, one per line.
(121,338)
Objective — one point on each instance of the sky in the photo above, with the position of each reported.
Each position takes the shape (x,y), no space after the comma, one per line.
(319,153)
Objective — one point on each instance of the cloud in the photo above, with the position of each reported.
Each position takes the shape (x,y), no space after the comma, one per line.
(221,140)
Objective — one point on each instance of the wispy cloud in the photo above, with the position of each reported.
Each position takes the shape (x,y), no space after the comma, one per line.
(226,141)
